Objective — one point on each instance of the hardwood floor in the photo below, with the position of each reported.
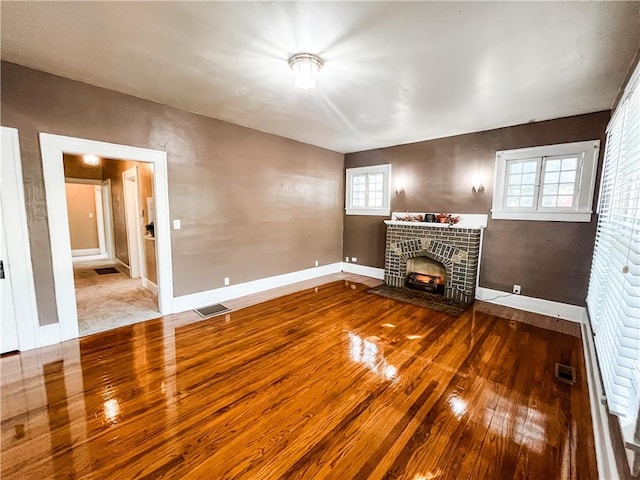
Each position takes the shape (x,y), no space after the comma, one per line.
(330,382)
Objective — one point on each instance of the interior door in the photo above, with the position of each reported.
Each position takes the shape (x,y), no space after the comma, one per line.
(9,331)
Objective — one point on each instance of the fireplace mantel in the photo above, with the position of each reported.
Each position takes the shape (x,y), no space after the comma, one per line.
(467,220)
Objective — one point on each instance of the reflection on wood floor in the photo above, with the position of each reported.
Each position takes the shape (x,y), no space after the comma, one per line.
(331,382)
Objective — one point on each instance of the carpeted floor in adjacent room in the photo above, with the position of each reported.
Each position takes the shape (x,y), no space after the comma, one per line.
(110,301)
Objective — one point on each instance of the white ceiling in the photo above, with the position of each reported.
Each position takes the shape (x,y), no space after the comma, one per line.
(394,72)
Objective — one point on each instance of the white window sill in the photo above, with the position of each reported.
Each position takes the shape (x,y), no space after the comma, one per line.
(542,216)
(370,211)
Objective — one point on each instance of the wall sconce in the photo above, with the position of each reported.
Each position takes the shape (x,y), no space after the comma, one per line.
(400,184)
(477,186)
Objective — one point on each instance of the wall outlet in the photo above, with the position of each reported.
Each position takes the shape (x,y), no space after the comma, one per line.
(346,259)
(516,289)
(354,259)
(316,263)
(226,281)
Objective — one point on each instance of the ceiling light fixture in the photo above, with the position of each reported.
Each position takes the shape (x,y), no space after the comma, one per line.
(90,159)
(305,68)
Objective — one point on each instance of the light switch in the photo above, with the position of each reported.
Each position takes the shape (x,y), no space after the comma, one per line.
(176,224)
(91,215)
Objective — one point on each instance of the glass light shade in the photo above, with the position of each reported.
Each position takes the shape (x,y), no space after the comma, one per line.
(90,159)
(305,70)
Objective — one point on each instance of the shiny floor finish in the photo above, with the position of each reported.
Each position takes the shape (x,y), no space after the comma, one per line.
(330,382)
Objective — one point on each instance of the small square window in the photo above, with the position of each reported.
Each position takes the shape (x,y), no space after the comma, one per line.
(550,183)
(367,190)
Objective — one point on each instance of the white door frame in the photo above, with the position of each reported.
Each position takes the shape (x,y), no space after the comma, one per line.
(107,215)
(9,328)
(53,147)
(18,246)
(132,222)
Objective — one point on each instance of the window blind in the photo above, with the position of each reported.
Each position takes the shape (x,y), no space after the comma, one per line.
(614,286)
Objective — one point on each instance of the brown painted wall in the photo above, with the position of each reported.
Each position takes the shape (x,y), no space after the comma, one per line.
(252,204)
(551,260)
(81,208)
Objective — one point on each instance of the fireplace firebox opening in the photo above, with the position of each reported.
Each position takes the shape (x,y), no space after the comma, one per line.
(426,274)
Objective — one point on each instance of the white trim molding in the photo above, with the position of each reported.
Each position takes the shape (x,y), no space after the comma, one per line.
(87,258)
(372,272)
(200,299)
(18,244)
(53,147)
(125,268)
(83,181)
(605,456)
(149,285)
(49,334)
(565,311)
(542,216)
(86,252)
(102,241)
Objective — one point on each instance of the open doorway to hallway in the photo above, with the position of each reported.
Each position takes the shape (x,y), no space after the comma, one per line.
(110,206)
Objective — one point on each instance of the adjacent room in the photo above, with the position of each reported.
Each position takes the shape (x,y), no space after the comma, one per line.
(111,213)
(320,240)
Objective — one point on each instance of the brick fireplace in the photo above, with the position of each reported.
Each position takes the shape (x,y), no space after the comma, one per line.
(455,247)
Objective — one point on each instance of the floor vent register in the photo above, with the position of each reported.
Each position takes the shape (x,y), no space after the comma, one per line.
(565,374)
(211,310)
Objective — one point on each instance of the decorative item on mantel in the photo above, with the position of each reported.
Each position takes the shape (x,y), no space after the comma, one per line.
(410,217)
(448,218)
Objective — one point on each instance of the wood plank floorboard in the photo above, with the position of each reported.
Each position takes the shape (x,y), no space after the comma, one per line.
(330,382)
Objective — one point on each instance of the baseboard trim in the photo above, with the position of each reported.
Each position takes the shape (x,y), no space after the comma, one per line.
(605,456)
(123,266)
(200,299)
(565,311)
(149,285)
(85,252)
(89,258)
(372,272)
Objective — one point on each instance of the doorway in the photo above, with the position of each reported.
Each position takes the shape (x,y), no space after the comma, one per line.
(86,219)
(53,149)
(112,290)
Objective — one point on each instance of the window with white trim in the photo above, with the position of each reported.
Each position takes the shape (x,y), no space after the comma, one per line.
(368,190)
(613,298)
(548,183)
